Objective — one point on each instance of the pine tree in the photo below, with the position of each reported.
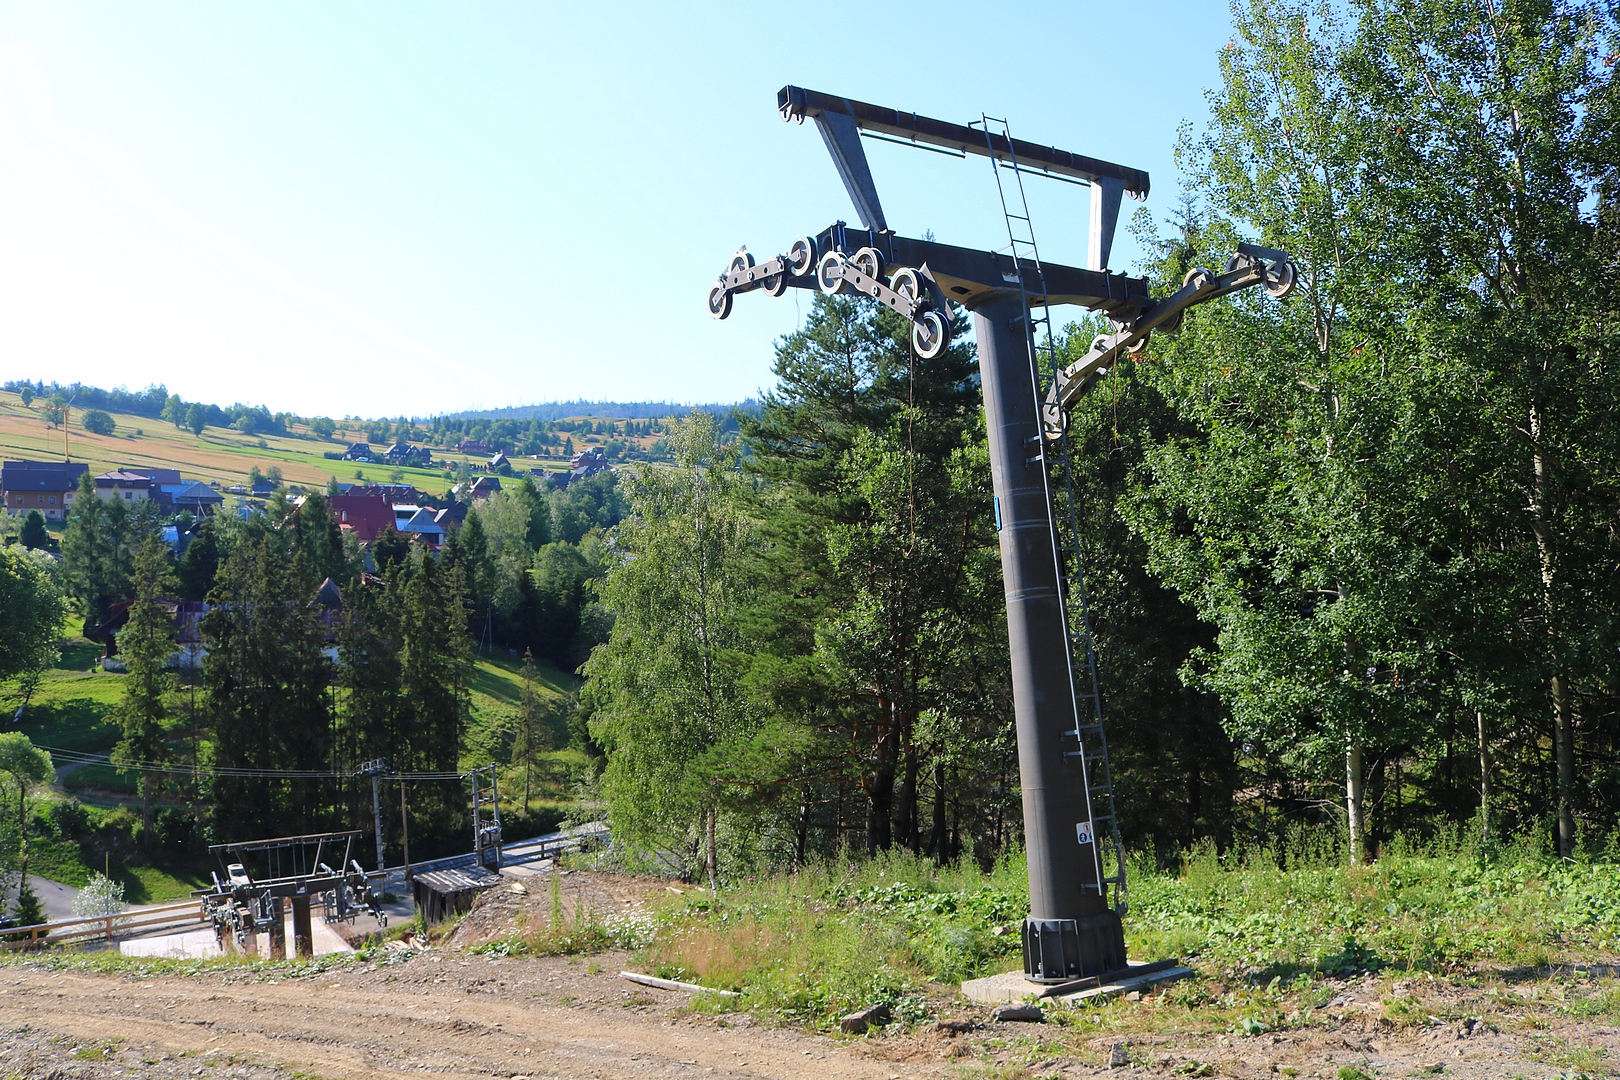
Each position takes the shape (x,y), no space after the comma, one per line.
(146,644)
(95,551)
(34,536)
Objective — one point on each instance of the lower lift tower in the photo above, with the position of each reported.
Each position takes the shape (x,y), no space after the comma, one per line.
(1072,840)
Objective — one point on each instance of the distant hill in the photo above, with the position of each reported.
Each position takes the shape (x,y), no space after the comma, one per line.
(605,410)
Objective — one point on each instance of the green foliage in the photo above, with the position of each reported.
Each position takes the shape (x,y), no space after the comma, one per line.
(31,612)
(96,557)
(99,896)
(670,708)
(98,422)
(146,644)
(28,911)
(23,766)
(33,535)
(266,680)
(815,944)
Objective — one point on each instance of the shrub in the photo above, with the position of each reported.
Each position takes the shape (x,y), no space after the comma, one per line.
(98,422)
(101,896)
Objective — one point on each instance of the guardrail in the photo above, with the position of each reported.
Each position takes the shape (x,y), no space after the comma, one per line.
(103,927)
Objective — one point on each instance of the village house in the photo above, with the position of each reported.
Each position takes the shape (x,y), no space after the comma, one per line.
(472,446)
(124,484)
(403,453)
(423,523)
(46,486)
(589,462)
(481,488)
(366,516)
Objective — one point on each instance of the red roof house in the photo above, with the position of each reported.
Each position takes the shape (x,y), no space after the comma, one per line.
(367,516)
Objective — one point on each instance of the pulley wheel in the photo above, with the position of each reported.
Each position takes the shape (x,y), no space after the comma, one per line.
(740,262)
(1283,283)
(829,273)
(929,335)
(908,283)
(1201,277)
(1139,346)
(868,261)
(802,256)
(719,300)
(774,284)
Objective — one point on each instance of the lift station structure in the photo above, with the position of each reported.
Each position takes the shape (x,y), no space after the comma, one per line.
(1071,834)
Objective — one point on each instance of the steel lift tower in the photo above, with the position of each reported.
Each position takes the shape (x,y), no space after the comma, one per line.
(1070,833)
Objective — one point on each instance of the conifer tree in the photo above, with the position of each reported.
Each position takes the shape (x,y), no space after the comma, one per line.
(146,644)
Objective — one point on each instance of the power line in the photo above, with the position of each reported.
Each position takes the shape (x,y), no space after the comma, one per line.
(79,757)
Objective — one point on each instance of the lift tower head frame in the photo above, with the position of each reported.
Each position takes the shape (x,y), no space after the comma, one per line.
(1072,931)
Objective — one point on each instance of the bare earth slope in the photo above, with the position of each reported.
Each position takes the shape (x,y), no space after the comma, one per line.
(451,1015)
(470,1016)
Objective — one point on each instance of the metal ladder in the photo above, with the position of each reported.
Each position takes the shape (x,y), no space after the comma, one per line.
(486,827)
(1090,746)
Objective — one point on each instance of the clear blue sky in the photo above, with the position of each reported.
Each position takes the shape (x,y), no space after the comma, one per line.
(384,208)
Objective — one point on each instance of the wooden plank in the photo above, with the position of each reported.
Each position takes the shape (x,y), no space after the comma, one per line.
(1109,990)
(671,984)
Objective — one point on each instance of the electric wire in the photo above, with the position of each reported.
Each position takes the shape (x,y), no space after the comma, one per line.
(80,757)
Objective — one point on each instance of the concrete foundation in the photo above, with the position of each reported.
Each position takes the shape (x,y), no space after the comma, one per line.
(1013,987)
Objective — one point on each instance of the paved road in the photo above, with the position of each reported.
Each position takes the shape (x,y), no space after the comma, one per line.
(57,898)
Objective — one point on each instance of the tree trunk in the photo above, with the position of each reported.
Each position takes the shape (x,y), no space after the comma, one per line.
(1484,778)
(802,832)
(1564,750)
(1563,722)
(147,782)
(879,784)
(905,816)
(1354,790)
(937,838)
(710,862)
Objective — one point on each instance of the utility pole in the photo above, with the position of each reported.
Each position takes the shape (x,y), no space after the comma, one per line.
(405,828)
(376,769)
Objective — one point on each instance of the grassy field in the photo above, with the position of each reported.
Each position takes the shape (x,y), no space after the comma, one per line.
(1440,927)
(221,454)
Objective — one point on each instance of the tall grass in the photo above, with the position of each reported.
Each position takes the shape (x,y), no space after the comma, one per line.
(843,934)
(837,936)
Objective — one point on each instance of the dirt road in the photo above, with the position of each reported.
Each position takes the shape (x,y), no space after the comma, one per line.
(448,1014)
(452,1014)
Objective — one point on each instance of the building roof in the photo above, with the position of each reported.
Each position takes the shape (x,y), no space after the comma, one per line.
(424,522)
(395,493)
(122,478)
(41,475)
(197,493)
(368,516)
(157,476)
(327,596)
